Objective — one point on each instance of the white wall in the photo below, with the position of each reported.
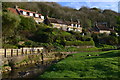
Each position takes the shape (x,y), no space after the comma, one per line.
(24,13)
(36,15)
(72,25)
(104,31)
(75,25)
(31,14)
(78,25)
(70,29)
(42,17)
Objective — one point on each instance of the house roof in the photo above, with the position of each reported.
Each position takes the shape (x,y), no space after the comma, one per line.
(69,23)
(102,27)
(17,11)
(13,10)
(99,27)
(25,10)
(53,20)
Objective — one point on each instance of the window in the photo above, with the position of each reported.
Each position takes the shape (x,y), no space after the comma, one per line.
(34,14)
(28,13)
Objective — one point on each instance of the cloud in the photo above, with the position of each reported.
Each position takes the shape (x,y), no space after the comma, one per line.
(61,0)
(101,5)
(79,0)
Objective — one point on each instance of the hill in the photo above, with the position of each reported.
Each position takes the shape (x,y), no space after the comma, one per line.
(19,31)
(87,16)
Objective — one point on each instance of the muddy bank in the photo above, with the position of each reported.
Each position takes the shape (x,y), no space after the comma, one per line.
(30,66)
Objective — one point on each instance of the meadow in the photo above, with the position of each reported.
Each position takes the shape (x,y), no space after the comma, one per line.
(103,64)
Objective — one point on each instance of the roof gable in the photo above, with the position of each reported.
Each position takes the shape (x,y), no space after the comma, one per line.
(13,10)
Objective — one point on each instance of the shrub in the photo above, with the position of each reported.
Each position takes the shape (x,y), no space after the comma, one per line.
(27,24)
(9,46)
(79,43)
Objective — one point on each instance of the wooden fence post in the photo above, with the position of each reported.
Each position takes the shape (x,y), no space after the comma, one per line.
(30,51)
(22,51)
(26,51)
(42,58)
(17,52)
(11,52)
(38,51)
(5,54)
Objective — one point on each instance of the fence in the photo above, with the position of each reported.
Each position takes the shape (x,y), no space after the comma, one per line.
(19,52)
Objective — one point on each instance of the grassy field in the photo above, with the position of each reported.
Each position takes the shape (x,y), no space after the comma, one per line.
(80,65)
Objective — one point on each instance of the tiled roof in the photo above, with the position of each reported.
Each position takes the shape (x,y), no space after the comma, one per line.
(17,11)
(60,21)
(69,23)
(97,28)
(13,10)
(102,27)
(25,10)
(53,20)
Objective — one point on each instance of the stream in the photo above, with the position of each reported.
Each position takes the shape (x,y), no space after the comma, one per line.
(28,71)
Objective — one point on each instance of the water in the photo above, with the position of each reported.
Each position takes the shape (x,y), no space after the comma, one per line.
(28,71)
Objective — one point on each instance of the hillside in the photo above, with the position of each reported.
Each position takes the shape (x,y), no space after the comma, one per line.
(87,16)
(22,31)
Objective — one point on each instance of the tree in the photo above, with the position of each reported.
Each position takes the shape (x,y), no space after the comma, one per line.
(9,24)
(109,40)
(28,24)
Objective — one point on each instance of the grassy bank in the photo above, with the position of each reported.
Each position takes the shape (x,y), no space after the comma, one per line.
(80,65)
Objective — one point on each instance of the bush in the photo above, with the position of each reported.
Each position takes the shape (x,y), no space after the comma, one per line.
(10,22)
(9,46)
(107,47)
(27,24)
(109,40)
(79,43)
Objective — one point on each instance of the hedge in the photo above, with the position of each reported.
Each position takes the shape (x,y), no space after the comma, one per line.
(79,43)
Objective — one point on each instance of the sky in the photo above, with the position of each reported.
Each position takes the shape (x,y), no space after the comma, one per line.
(119,7)
(101,5)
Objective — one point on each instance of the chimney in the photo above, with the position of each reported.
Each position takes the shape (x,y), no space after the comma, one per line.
(78,21)
(113,28)
(47,16)
(95,23)
(71,20)
(16,7)
(36,11)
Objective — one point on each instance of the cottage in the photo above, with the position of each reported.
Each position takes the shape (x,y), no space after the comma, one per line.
(57,23)
(73,26)
(64,25)
(26,13)
(101,28)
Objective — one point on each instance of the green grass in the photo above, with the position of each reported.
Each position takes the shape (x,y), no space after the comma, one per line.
(81,49)
(80,65)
